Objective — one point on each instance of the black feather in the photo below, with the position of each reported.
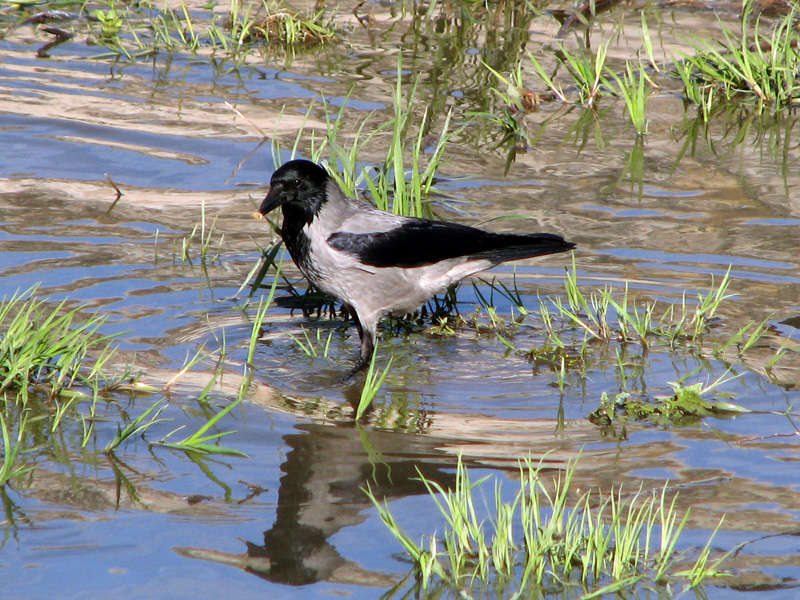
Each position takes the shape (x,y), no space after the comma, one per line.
(420,242)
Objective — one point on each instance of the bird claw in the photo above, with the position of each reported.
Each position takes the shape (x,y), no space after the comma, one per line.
(359,366)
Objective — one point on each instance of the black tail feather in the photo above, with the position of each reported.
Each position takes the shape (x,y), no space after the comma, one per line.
(516,247)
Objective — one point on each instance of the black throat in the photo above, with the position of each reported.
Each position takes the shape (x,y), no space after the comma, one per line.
(295,217)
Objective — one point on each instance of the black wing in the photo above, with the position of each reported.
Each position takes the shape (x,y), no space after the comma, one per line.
(421,242)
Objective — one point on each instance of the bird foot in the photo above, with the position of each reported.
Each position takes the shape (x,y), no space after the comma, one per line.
(359,366)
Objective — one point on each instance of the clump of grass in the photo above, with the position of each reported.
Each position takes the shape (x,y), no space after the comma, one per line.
(606,319)
(372,385)
(402,182)
(140,29)
(200,441)
(631,86)
(586,70)
(544,539)
(138,426)
(602,316)
(173,31)
(52,378)
(47,349)
(291,28)
(246,23)
(748,66)
(199,243)
(686,406)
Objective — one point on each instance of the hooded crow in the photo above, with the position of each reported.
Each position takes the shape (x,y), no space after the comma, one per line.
(376,262)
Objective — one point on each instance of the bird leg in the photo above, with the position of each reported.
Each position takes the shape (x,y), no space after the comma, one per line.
(352,312)
(367,337)
(360,364)
(367,346)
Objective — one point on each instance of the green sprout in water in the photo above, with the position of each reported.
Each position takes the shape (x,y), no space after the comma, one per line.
(138,426)
(372,384)
(542,539)
(631,86)
(9,469)
(686,406)
(201,235)
(46,349)
(749,66)
(313,345)
(586,70)
(200,440)
(258,321)
(405,179)
(111,22)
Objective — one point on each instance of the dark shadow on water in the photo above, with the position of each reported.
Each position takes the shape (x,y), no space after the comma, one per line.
(297,543)
(322,492)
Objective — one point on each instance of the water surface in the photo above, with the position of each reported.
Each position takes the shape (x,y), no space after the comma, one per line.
(291,520)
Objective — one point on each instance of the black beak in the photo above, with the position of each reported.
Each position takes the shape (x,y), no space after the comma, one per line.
(273,200)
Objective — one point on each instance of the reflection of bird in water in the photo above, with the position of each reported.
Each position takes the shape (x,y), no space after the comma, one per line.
(581,16)
(321,491)
(329,464)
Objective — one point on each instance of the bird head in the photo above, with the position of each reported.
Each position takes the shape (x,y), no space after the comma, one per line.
(299,183)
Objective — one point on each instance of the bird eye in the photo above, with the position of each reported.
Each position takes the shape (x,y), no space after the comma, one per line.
(296,183)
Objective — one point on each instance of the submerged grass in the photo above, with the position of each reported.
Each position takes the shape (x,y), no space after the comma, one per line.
(686,406)
(401,179)
(48,349)
(52,375)
(604,315)
(141,29)
(550,536)
(243,28)
(747,66)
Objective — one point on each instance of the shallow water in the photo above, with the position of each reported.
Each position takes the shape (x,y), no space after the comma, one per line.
(152,522)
